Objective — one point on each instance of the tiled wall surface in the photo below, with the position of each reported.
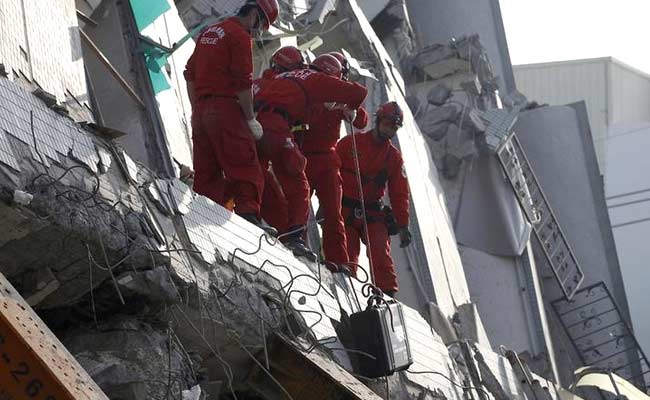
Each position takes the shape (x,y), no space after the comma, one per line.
(52,135)
(43,44)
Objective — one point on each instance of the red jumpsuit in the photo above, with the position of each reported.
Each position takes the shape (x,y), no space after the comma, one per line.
(286,102)
(318,146)
(381,165)
(220,67)
(274,204)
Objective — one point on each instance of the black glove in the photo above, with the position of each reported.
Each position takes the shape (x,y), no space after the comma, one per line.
(404,236)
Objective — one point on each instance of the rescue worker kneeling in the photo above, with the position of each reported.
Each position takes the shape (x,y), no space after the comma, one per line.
(283,103)
(380,166)
(274,204)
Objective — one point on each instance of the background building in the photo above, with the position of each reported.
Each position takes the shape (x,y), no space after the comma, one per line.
(617,98)
(628,199)
(614,92)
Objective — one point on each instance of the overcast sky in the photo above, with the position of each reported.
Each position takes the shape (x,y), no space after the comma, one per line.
(555,30)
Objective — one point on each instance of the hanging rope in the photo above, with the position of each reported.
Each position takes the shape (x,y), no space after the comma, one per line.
(357,171)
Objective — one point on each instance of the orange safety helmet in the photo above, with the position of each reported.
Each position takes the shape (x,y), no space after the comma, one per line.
(288,58)
(270,9)
(328,64)
(390,111)
(344,64)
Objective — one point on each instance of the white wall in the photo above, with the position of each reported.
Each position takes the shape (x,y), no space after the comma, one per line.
(628,166)
(630,93)
(498,287)
(569,82)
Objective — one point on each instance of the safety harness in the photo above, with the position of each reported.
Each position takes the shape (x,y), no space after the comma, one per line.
(294,125)
(379,180)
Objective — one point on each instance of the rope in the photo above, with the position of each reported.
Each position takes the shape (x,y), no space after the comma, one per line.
(362,201)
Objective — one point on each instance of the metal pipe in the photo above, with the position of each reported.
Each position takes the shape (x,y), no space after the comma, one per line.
(86,19)
(542,313)
(118,77)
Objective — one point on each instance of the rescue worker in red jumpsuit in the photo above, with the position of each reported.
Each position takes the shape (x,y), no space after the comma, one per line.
(274,205)
(224,129)
(285,59)
(380,166)
(284,103)
(318,145)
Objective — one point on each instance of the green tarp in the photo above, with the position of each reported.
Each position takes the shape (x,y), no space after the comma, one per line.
(146,11)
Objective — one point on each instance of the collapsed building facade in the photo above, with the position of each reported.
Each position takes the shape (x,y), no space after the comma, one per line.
(512,282)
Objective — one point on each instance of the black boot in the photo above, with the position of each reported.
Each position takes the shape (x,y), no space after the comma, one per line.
(342,268)
(297,245)
(252,218)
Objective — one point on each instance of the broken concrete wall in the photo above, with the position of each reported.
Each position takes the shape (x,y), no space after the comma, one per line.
(393,25)
(131,359)
(475,192)
(87,242)
(196,12)
(438,21)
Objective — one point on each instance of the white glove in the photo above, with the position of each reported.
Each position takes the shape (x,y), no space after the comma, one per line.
(256,128)
(350,115)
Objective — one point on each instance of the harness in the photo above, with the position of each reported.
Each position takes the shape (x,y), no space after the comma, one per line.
(357,212)
(379,180)
(294,125)
(262,106)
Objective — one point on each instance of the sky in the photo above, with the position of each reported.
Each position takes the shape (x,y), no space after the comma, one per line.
(556,30)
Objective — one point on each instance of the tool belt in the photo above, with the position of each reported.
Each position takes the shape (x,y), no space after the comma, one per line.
(385,213)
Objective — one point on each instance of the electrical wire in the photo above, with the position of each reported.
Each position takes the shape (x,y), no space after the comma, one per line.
(448,379)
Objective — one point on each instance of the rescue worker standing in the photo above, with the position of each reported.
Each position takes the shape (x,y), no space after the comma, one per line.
(285,102)
(224,129)
(318,146)
(380,166)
